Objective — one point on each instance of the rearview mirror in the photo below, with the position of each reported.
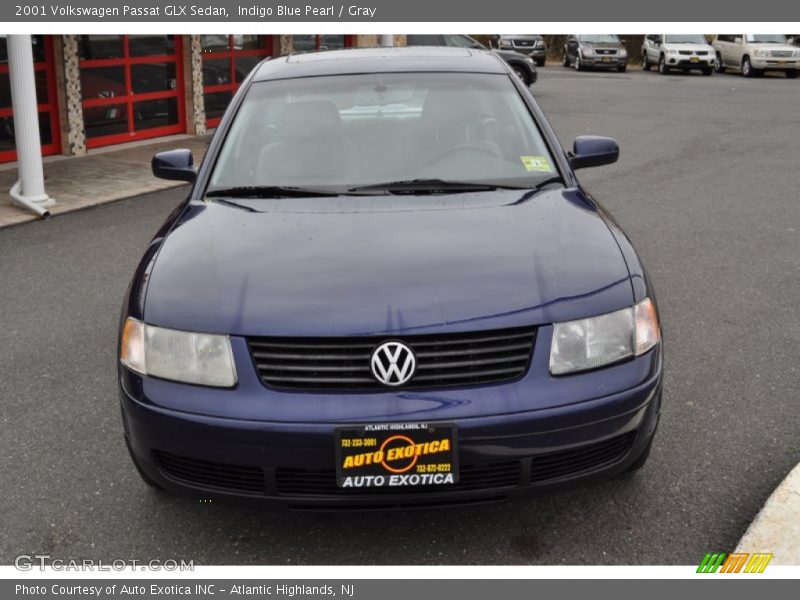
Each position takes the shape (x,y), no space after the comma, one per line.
(593,151)
(174,164)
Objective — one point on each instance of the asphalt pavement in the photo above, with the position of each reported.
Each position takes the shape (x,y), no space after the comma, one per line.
(707,188)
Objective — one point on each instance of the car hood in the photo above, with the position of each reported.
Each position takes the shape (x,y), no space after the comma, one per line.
(372,265)
(616,45)
(779,47)
(690,47)
(511,54)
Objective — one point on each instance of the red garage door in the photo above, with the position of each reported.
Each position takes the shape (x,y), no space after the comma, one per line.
(132,87)
(45,97)
(227,59)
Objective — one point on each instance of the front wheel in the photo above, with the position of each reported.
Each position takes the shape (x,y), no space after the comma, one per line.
(747,68)
(791,74)
(622,68)
(520,72)
(708,72)
(540,62)
(662,65)
(565,61)
(718,67)
(578,63)
(645,62)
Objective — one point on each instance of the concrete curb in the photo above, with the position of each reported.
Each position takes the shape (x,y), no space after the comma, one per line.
(776,528)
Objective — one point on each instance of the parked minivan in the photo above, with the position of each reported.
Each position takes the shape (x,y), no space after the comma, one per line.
(754,54)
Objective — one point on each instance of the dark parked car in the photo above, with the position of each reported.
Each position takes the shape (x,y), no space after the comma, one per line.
(385,288)
(530,45)
(522,65)
(595,51)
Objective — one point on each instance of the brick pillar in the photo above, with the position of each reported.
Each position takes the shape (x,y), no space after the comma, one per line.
(286,45)
(366,41)
(73,108)
(193,85)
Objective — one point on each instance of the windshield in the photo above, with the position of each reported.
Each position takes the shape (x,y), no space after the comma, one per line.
(765,38)
(599,39)
(686,38)
(346,131)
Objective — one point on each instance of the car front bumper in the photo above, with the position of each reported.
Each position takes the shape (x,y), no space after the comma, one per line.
(604,61)
(775,64)
(684,62)
(291,465)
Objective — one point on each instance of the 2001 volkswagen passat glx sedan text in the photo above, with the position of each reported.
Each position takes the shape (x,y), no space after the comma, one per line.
(385,288)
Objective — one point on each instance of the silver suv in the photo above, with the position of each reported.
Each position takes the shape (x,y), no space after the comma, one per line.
(683,51)
(753,54)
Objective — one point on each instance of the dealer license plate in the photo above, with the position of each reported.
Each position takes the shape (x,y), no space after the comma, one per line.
(396,455)
(606,59)
(694,59)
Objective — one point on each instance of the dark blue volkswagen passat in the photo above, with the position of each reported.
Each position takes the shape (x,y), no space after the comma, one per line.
(385,288)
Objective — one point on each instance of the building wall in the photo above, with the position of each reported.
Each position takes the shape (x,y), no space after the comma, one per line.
(66,56)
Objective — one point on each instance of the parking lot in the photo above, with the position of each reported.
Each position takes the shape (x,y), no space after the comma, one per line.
(707,187)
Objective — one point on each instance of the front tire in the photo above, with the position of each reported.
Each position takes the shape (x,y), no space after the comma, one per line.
(565,61)
(718,67)
(540,62)
(646,65)
(662,65)
(708,72)
(747,68)
(578,63)
(791,74)
(622,68)
(520,72)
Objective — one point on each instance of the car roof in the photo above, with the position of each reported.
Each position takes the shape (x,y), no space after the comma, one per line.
(380,60)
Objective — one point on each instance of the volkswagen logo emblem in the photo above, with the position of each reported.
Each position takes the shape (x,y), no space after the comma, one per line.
(393,363)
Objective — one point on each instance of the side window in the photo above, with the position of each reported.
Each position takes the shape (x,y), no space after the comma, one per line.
(725,38)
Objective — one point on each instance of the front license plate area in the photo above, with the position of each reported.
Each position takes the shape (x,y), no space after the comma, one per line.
(606,59)
(694,59)
(396,456)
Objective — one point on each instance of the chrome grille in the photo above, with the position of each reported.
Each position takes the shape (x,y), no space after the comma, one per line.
(443,360)
(782,53)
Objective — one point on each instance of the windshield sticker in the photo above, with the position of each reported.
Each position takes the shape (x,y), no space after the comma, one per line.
(536,163)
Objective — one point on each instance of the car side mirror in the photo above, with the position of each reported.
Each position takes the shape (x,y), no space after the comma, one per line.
(174,164)
(593,151)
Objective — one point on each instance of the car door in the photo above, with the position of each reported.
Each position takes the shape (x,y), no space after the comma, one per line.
(654,48)
(736,50)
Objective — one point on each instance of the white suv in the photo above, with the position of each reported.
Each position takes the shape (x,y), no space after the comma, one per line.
(684,51)
(753,54)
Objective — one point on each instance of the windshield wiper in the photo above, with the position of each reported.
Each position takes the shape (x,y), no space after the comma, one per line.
(271,191)
(422,186)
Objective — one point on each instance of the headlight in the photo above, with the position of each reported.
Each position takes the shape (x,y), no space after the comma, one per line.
(759,52)
(623,52)
(539,43)
(671,51)
(199,358)
(504,44)
(587,51)
(797,52)
(590,343)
